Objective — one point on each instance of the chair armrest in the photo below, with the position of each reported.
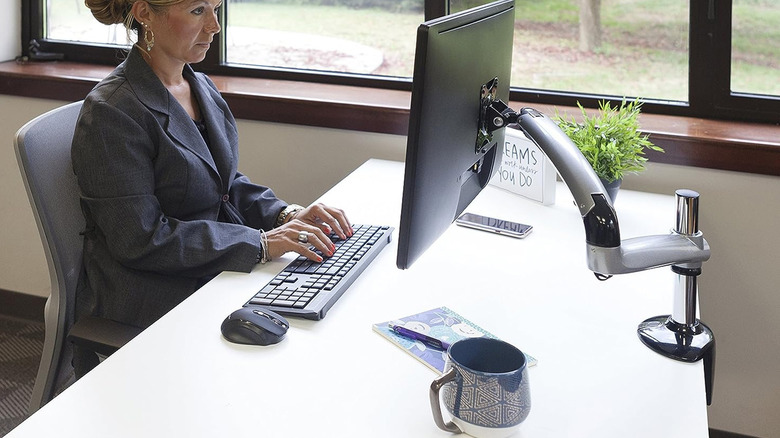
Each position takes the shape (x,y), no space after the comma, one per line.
(102,336)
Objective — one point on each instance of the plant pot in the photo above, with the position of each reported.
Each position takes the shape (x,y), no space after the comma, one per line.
(612,188)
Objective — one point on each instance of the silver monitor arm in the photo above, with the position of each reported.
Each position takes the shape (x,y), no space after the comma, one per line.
(607,254)
(681,335)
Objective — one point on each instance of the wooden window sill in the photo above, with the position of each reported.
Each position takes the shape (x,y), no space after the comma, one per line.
(715,144)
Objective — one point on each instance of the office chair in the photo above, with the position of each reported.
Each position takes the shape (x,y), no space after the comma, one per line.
(43,153)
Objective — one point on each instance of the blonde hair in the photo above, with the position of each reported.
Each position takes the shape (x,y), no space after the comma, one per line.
(120,11)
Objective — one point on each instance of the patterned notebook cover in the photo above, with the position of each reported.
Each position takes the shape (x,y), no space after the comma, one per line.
(441,323)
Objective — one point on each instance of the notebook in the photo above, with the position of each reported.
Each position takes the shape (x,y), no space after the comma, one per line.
(441,323)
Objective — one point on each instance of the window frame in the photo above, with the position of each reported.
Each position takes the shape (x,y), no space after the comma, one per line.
(709,51)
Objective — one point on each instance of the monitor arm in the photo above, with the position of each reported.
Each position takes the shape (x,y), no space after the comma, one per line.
(606,253)
(680,336)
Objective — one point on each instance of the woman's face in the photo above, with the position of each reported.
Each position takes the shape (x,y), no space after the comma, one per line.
(183,33)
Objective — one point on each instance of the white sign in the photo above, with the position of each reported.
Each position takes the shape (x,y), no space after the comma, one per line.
(525,169)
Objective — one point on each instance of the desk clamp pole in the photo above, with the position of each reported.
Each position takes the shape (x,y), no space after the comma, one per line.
(681,336)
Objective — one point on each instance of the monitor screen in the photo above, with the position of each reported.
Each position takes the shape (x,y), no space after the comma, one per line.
(461,61)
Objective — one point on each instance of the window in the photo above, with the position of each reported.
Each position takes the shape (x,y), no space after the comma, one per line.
(67,20)
(707,58)
(755,56)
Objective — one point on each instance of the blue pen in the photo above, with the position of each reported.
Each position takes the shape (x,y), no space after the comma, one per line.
(422,337)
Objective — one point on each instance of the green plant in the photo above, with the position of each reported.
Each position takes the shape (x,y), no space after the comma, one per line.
(611,140)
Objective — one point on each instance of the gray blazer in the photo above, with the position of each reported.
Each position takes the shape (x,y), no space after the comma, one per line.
(165,212)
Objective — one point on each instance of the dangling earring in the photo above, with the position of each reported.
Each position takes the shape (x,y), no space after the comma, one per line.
(149,41)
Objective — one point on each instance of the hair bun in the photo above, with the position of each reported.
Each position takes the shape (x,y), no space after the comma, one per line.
(109,11)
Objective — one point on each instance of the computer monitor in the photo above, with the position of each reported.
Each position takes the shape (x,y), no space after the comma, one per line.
(462,62)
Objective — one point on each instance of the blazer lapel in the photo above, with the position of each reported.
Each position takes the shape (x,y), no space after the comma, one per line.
(222,149)
(152,93)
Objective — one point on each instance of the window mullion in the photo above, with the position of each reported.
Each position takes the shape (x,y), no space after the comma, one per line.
(710,56)
(436,8)
(32,23)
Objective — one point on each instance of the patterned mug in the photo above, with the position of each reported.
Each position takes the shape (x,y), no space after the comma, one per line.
(484,388)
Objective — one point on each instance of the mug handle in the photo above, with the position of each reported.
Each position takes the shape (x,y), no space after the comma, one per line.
(436,405)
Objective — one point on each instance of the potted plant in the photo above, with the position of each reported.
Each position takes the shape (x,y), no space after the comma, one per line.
(611,141)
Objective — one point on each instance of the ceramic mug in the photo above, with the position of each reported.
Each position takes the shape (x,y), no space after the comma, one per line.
(484,388)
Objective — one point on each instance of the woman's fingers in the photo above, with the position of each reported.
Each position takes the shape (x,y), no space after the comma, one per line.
(299,237)
(329,218)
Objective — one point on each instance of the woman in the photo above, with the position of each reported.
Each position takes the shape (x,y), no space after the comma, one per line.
(155,152)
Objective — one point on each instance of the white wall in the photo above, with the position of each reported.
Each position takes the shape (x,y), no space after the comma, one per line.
(300,162)
(739,289)
(22,263)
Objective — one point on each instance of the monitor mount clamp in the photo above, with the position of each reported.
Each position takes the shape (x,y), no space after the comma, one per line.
(680,336)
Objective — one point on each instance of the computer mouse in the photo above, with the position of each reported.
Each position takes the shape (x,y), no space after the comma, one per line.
(254,326)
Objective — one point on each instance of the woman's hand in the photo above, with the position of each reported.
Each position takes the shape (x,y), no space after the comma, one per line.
(307,229)
(329,219)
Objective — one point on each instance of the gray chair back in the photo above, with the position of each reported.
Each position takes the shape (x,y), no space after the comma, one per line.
(43,152)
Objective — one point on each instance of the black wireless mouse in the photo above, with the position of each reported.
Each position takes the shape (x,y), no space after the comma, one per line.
(254,326)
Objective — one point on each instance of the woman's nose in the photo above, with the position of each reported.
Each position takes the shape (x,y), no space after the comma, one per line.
(213,25)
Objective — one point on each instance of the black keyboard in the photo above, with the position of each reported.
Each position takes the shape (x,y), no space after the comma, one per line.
(307,289)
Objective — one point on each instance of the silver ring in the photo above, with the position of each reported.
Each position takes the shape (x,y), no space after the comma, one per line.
(303,237)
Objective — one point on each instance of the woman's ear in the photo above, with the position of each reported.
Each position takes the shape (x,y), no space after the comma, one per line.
(141,11)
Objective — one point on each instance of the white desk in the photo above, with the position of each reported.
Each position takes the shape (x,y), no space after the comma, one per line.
(336,377)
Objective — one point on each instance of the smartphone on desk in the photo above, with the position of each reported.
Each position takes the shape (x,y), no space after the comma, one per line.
(498,226)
